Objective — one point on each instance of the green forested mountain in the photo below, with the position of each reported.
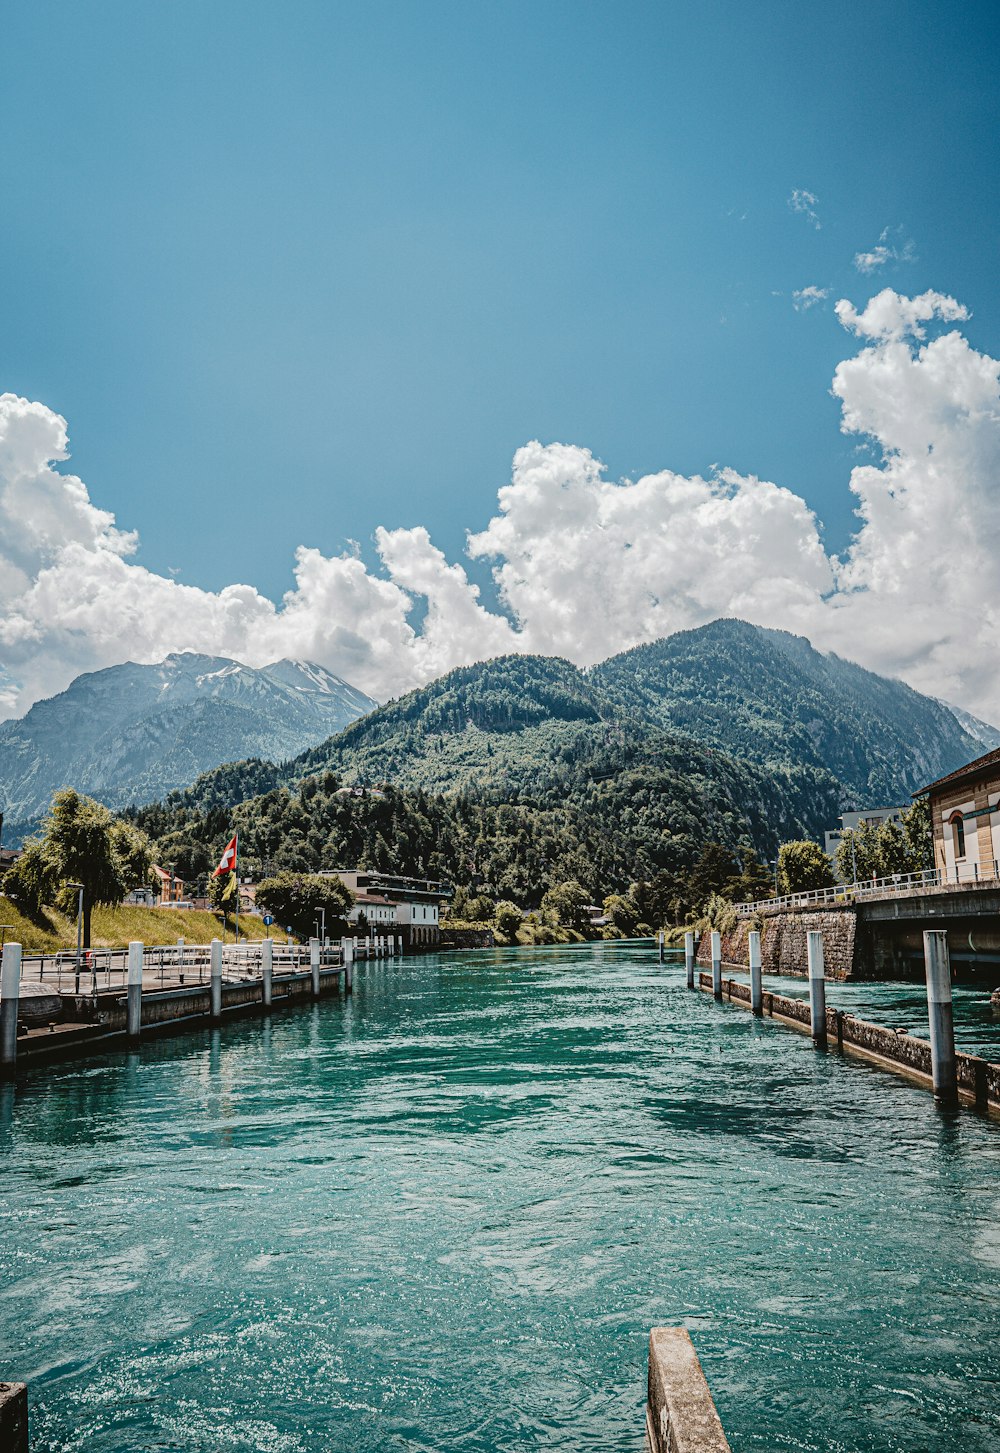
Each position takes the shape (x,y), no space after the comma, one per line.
(520,772)
(769,697)
(517,773)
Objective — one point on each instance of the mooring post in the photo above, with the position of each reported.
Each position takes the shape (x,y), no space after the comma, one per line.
(937,962)
(133,999)
(215,982)
(10,994)
(689,958)
(347,950)
(716,963)
(659,945)
(314,965)
(756,984)
(267,972)
(817,987)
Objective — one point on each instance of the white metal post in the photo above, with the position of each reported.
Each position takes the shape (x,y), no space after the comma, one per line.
(937,963)
(689,957)
(267,972)
(756,985)
(215,982)
(716,963)
(133,1000)
(10,993)
(817,986)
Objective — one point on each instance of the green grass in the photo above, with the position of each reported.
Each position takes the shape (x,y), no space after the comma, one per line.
(118,926)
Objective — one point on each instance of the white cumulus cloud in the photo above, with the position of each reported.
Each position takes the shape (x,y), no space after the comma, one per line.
(584,565)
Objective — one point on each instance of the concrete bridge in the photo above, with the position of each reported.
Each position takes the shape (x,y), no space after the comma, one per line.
(875,930)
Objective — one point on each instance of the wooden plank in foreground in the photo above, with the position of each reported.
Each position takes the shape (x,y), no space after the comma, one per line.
(680,1412)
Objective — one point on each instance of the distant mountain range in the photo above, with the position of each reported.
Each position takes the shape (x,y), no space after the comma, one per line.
(761,696)
(132,734)
(729,733)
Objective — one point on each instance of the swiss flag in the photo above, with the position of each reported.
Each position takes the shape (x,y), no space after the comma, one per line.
(227,863)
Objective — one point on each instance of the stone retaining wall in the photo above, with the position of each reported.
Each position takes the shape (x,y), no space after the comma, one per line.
(783,941)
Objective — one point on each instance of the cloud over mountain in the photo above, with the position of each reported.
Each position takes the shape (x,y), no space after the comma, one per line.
(584,565)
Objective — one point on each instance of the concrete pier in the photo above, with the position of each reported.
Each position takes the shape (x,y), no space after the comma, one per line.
(10,993)
(215,982)
(937,964)
(716,963)
(133,1012)
(680,1413)
(889,1049)
(756,981)
(267,974)
(817,988)
(689,958)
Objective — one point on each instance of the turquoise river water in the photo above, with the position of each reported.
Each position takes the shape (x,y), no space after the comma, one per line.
(443,1215)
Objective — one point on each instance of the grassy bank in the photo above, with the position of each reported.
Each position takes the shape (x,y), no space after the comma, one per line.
(115,927)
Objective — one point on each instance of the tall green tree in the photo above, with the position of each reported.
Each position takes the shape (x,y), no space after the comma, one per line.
(568,901)
(296,898)
(82,843)
(803,867)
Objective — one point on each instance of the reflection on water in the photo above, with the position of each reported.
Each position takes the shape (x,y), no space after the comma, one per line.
(443,1215)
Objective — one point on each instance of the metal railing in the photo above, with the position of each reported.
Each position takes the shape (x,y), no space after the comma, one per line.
(171,966)
(896,885)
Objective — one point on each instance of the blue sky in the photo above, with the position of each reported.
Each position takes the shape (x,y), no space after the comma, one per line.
(295,271)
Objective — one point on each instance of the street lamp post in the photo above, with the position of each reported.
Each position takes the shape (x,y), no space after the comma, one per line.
(322,918)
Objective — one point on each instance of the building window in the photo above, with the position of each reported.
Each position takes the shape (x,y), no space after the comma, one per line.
(958,834)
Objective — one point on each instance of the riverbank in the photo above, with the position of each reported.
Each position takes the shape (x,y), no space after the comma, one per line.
(117,926)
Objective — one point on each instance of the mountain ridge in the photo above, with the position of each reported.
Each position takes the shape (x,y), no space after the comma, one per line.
(133,733)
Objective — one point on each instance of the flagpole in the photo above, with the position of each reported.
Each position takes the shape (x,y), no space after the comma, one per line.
(236,870)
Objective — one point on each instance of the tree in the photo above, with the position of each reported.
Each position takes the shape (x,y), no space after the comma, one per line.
(621,912)
(754,880)
(918,831)
(507,920)
(715,869)
(28,882)
(858,855)
(568,901)
(803,867)
(82,843)
(877,850)
(296,898)
(480,909)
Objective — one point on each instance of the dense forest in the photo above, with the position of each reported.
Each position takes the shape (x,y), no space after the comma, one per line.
(511,776)
(514,775)
(769,697)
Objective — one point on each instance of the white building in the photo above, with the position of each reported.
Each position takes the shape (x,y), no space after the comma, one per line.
(388,903)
